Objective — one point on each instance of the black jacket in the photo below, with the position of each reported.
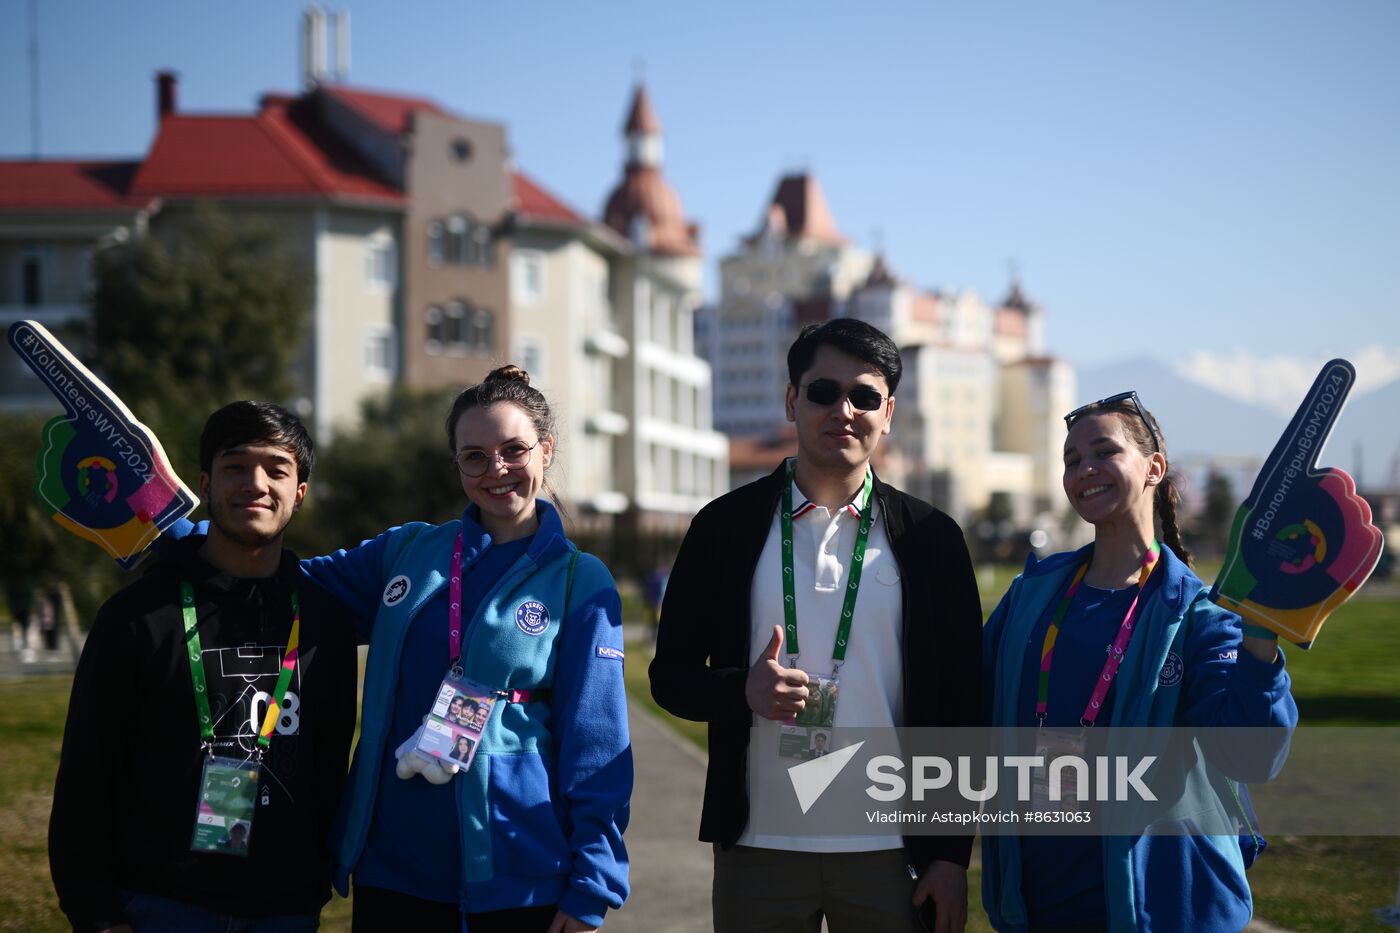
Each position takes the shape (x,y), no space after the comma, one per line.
(124,803)
(705,633)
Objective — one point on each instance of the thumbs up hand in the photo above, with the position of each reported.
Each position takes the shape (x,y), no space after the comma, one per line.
(773,691)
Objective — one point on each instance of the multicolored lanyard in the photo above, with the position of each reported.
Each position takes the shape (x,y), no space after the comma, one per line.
(1115,654)
(201,688)
(843,630)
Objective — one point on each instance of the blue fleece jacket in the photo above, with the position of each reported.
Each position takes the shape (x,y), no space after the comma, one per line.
(542,809)
(1183,666)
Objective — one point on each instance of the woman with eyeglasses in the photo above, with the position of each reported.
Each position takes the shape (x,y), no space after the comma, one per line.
(529,837)
(1121,634)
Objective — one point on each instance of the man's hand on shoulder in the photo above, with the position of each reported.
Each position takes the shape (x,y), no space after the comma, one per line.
(773,691)
(946,884)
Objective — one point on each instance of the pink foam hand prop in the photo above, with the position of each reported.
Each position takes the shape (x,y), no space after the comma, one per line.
(101,473)
(1303,542)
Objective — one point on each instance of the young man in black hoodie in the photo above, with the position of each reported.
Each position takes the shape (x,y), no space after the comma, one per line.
(122,835)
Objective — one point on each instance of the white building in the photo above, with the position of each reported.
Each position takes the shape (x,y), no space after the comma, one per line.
(980,404)
(603,312)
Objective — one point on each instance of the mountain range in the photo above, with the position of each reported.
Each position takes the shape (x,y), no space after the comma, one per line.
(1200,423)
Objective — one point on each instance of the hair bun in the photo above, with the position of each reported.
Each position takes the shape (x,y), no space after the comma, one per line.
(508,373)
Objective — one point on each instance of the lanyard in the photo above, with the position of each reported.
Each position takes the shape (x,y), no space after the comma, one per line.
(201,689)
(454,611)
(1115,654)
(843,630)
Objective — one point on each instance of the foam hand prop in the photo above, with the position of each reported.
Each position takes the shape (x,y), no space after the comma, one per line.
(412,761)
(101,473)
(1303,541)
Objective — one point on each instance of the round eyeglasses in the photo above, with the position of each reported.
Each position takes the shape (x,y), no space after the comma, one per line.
(474,461)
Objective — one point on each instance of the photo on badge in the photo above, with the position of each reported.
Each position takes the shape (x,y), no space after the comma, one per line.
(820,708)
(794,742)
(453,727)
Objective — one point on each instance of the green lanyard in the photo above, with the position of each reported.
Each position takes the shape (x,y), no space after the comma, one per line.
(848,608)
(201,688)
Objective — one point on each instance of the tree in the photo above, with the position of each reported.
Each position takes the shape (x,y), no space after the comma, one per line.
(180,330)
(394,468)
(1219,511)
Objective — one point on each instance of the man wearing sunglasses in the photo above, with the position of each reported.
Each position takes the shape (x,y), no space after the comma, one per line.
(820,570)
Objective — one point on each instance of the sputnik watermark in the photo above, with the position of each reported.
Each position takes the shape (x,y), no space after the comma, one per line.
(888,784)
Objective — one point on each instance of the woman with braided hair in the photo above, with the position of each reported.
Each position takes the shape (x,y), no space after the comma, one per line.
(1121,633)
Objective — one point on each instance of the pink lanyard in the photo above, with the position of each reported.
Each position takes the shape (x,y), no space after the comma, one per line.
(454,611)
(454,624)
(1115,655)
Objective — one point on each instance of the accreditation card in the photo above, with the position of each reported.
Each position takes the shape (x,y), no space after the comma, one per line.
(223,819)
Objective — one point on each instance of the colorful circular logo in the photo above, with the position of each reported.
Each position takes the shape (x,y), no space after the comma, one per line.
(1305,544)
(97,479)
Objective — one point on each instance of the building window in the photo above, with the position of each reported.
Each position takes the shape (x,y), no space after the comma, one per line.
(460,328)
(437,245)
(529,356)
(461,149)
(479,247)
(31,275)
(480,334)
(464,242)
(379,353)
(456,240)
(437,329)
(527,276)
(380,261)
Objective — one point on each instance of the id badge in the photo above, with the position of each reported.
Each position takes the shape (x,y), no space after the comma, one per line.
(820,709)
(803,743)
(808,734)
(453,727)
(1049,745)
(223,819)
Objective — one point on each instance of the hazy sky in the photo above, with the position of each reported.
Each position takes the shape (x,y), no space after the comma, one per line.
(1218,180)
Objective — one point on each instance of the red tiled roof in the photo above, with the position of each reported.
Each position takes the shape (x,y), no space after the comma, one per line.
(535,202)
(390,112)
(645,192)
(799,209)
(69,185)
(282,151)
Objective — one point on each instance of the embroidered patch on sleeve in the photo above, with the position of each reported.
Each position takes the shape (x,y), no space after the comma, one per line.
(605,652)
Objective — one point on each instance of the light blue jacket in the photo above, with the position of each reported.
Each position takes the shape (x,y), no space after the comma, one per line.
(544,804)
(1183,666)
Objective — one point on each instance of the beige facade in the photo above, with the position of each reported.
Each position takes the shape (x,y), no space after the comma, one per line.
(564,333)
(456,263)
(349,353)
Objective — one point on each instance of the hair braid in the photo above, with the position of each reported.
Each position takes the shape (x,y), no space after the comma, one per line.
(1166,499)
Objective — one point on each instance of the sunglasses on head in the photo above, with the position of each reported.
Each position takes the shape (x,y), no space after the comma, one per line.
(827,392)
(1129,397)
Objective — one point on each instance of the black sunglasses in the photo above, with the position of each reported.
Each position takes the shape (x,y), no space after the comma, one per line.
(1120,398)
(826,392)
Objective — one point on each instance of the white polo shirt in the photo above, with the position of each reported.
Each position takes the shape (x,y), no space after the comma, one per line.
(871,690)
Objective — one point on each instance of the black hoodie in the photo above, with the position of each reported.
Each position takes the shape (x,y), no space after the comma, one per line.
(128,780)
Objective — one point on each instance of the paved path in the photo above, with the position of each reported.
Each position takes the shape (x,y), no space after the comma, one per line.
(671,869)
